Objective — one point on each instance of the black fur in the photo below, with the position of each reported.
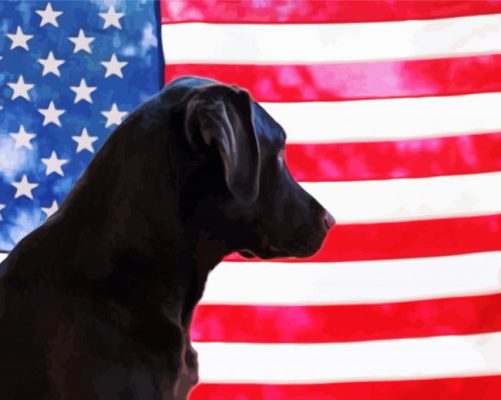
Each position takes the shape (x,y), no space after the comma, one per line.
(97,302)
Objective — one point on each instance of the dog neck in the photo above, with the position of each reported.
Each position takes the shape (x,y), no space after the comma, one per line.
(151,261)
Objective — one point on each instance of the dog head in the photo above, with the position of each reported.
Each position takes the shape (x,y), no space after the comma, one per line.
(236,185)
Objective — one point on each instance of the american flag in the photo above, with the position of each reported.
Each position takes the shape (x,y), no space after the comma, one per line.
(393,116)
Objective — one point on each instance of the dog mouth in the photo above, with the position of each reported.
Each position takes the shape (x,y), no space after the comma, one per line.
(266,253)
(271,251)
(304,244)
(247,253)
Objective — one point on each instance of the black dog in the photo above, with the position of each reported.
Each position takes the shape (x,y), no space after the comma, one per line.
(97,302)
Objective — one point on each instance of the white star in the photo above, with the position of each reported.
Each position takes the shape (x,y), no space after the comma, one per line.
(51,65)
(83,91)
(24,188)
(49,16)
(51,114)
(2,206)
(85,141)
(23,138)
(111,18)
(50,210)
(20,88)
(19,39)
(54,164)
(81,42)
(114,115)
(114,67)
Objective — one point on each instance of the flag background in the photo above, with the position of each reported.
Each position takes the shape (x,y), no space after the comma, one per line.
(394,122)
(393,119)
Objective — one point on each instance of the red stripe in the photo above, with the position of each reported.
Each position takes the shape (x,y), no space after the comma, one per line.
(354,81)
(346,323)
(478,388)
(309,11)
(457,155)
(390,240)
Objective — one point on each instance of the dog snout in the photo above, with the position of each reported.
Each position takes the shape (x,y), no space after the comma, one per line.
(328,220)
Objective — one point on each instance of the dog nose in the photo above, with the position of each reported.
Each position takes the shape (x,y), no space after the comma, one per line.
(329,220)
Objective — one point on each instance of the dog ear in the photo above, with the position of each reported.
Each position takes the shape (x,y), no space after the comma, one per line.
(221,116)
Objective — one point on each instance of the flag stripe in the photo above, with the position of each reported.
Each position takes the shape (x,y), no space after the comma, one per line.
(396,200)
(466,154)
(366,282)
(484,388)
(376,120)
(330,43)
(308,11)
(354,81)
(346,323)
(434,357)
(427,238)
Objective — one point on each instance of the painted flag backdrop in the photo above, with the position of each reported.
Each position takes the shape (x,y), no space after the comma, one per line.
(393,116)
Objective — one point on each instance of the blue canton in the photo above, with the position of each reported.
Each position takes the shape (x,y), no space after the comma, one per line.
(70,71)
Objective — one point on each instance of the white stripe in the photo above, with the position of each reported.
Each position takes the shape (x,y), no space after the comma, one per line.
(388,119)
(410,199)
(3,256)
(324,43)
(446,356)
(364,282)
